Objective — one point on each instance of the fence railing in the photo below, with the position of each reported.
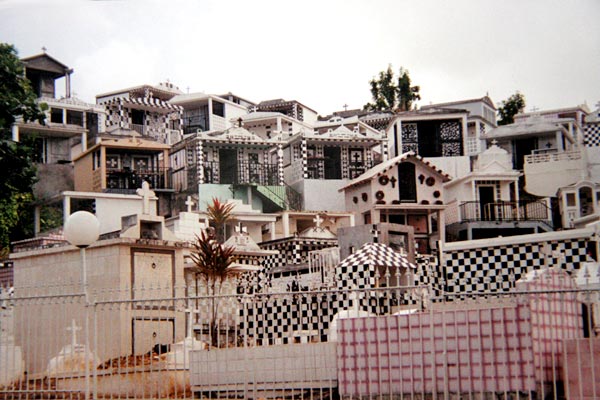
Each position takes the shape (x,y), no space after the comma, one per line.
(125,180)
(504,211)
(536,342)
(243,172)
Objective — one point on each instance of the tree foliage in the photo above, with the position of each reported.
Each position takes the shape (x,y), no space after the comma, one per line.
(219,214)
(511,107)
(16,181)
(212,260)
(17,99)
(391,93)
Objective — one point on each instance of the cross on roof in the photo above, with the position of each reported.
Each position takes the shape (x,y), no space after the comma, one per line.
(534,109)
(145,193)
(73,328)
(189,203)
(318,220)
(345,107)
(44,49)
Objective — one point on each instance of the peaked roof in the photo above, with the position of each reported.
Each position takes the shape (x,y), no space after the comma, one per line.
(47,63)
(485,99)
(386,165)
(377,254)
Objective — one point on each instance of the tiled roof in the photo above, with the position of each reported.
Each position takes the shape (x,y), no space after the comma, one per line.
(377,254)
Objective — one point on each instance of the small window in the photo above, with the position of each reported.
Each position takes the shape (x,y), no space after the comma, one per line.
(218,109)
(56,115)
(571,199)
(74,118)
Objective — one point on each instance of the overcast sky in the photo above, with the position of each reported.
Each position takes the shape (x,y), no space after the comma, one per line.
(321,53)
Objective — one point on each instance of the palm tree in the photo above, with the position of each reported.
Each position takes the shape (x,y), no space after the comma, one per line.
(213,260)
(219,214)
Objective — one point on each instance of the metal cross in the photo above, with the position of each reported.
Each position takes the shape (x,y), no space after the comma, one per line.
(44,49)
(73,328)
(345,107)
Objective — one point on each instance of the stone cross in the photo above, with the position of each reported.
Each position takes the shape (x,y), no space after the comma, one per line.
(73,328)
(189,203)
(145,193)
(318,220)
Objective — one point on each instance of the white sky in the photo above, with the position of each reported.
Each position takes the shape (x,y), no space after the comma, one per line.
(321,53)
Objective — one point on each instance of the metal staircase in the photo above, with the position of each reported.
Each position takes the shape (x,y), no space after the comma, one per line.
(284,197)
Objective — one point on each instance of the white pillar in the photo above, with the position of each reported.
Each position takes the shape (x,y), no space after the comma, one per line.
(465,134)
(83,141)
(559,145)
(285,220)
(210,110)
(68,85)
(279,124)
(442,225)
(66,208)
(273,230)
(15,133)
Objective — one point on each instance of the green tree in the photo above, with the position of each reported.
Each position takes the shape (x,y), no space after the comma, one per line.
(17,102)
(212,261)
(17,99)
(511,107)
(391,94)
(16,181)
(219,214)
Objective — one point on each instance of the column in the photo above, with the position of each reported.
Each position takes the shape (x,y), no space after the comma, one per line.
(15,133)
(465,134)
(285,220)
(66,208)
(304,155)
(36,220)
(272,229)
(68,84)
(209,116)
(279,124)
(199,162)
(280,174)
(83,141)
(559,145)
(442,225)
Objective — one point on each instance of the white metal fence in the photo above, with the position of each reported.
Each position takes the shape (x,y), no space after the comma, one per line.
(538,341)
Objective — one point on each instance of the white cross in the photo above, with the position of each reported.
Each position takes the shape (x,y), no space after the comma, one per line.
(145,193)
(318,220)
(73,328)
(189,203)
